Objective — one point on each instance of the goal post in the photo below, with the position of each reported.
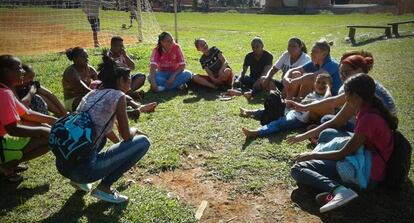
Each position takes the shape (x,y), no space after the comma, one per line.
(30,27)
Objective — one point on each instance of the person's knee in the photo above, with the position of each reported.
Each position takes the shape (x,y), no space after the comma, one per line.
(327,135)
(143,142)
(295,171)
(295,74)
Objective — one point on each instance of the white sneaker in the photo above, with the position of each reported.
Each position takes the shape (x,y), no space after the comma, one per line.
(114,197)
(84,187)
(342,197)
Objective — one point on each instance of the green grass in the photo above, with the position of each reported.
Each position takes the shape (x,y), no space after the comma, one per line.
(198,123)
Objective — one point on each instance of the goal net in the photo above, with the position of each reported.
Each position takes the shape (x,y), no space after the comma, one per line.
(30,27)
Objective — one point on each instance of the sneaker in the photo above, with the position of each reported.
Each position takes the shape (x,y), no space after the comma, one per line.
(84,187)
(343,196)
(115,197)
(324,198)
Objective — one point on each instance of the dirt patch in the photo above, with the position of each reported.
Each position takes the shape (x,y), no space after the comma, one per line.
(193,184)
(27,33)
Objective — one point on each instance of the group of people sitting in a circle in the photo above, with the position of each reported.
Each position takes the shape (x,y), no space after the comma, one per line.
(347,113)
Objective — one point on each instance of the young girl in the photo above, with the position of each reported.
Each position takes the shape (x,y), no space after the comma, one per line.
(109,104)
(213,62)
(36,96)
(19,142)
(293,119)
(373,131)
(167,66)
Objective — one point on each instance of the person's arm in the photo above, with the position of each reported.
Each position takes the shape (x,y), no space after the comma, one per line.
(112,136)
(34,116)
(74,80)
(26,100)
(122,118)
(92,73)
(46,93)
(15,129)
(288,76)
(129,61)
(223,61)
(171,79)
(303,78)
(326,104)
(356,141)
(340,119)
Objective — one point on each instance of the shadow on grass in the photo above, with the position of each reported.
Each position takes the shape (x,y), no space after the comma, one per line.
(379,205)
(202,93)
(74,209)
(162,97)
(11,196)
(372,40)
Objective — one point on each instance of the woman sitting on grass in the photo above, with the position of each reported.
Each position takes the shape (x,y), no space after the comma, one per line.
(298,82)
(20,141)
(109,104)
(373,130)
(293,119)
(352,63)
(167,68)
(213,62)
(295,56)
(77,78)
(37,97)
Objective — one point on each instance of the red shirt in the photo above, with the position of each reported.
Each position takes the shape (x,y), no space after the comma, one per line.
(378,138)
(11,108)
(168,61)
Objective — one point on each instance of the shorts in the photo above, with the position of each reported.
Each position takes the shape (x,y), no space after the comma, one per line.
(95,23)
(12,148)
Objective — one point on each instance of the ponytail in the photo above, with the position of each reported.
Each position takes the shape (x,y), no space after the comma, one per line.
(300,43)
(71,53)
(391,120)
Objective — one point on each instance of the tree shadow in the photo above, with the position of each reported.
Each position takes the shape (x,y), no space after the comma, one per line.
(202,93)
(378,205)
(11,196)
(74,209)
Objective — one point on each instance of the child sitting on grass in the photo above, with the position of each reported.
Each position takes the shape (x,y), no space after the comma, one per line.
(292,119)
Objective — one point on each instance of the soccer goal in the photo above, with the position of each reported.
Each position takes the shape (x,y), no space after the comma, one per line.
(30,27)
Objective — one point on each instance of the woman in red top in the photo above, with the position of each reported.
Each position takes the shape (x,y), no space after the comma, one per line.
(167,66)
(373,130)
(19,142)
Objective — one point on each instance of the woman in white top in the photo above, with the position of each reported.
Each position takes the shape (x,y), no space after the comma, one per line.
(295,56)
(108,104)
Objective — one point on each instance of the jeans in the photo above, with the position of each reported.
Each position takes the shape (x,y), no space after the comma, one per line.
(108,165)
(319,174)
(287,122)
(328,134)
(349,126)
(161,78)
(248,82)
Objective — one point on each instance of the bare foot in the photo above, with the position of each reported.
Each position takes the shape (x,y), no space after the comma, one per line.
(245,113)
(249,133)
(147,108)
(248,95)
(233,92)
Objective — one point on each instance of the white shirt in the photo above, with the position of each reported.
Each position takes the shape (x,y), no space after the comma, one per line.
(284,64)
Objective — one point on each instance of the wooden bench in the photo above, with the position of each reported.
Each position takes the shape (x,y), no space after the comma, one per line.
(352,29)
(395,25)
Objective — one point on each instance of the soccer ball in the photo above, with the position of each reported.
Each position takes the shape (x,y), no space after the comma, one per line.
(123,26)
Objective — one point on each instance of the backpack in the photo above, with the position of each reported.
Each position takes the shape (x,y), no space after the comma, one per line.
(73,136)
(274,107)
(398,165)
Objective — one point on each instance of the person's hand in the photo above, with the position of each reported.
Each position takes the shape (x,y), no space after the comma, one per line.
(171,80)
(295,105)
(304,157)
(295,139)
(33,90)
(134,131)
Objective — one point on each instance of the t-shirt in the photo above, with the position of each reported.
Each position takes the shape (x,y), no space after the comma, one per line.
(311,97)
(212,61)
(330,66)
(384,95)
(257,66)
(102,111)
(378,138)
(168,61)
(11,108)
(284,64)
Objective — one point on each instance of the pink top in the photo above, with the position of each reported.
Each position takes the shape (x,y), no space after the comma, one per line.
(168,61)
(378,138)
(11,109)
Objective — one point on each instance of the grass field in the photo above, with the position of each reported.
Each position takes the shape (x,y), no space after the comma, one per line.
(198,151)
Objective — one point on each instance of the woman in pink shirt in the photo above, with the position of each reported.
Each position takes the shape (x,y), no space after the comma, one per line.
(373,130)
(18,142)
(167,66)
